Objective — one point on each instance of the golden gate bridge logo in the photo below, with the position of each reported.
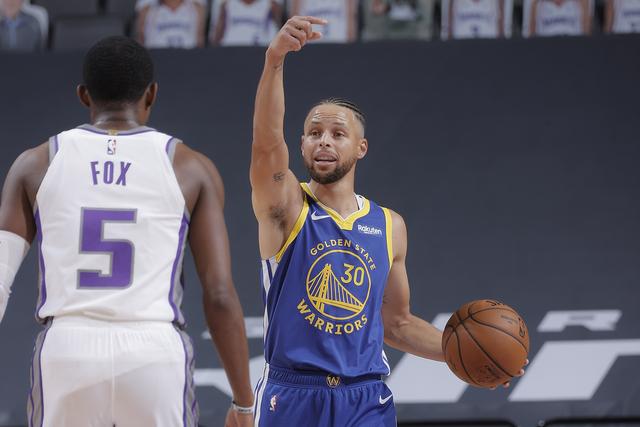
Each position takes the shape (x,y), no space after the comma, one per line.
(338,284)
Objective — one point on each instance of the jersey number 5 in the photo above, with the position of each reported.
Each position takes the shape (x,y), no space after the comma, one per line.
(121,252)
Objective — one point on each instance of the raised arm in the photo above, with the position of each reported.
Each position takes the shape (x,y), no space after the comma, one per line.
(403,330)
(208,239)
(276,195)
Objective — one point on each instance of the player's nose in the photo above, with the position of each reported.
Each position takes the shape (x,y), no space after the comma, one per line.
(325,139)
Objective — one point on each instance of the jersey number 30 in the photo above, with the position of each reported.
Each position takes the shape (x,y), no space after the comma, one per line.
(121,252)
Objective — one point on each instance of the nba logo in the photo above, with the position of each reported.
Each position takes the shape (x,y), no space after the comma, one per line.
(273,403)
(111,146)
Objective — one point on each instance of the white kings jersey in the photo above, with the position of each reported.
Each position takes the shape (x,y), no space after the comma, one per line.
(248,24)
(475,18)
(336,12)
(111,227)
(564,19)
(626,16)
(165,28)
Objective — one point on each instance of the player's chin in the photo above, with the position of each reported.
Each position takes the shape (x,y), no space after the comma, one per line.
(324,177)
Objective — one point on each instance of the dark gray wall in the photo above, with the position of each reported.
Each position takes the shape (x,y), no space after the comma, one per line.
(514,163)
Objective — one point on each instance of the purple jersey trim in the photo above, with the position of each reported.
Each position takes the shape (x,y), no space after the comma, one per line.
(53,147)
(177,262)
(42,298)
(186,381)
(167,147)
(36,396)
(134,131)
(189,402)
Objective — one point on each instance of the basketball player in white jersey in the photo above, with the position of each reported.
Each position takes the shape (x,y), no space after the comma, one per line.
(341,17)
(110,206)
(246,22)
(171,24)
(559,17)
(622,16)
(475,18)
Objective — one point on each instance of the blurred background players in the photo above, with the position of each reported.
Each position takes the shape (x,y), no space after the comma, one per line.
(341,15)
(245,22)
(171,24)
(557,17)
(463,19)
(397,19)
(622,16)
(19,29)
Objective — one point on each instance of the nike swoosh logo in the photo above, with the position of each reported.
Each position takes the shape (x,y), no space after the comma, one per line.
(385,400)
(315,216)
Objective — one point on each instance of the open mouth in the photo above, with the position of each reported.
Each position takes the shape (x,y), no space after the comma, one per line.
(325,159)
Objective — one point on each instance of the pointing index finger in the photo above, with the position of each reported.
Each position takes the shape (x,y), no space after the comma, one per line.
(314,20)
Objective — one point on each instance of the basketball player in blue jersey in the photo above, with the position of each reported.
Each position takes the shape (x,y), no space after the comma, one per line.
(333,269)
(111,205)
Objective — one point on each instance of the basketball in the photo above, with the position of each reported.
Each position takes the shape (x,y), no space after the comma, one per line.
(485,343)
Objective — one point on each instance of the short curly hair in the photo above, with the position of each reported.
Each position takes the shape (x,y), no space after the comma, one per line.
(117,70)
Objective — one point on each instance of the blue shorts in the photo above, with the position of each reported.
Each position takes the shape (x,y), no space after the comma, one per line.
(294,398)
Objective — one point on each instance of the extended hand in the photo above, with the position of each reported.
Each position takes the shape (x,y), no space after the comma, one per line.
(293,35)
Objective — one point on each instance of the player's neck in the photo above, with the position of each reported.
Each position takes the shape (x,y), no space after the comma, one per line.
(339,196)
(118,120)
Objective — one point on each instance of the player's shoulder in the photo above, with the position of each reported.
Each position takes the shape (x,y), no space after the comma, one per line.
(187,157)
(29,168)
(190,164)
(32,159)
(396,218)
(398,226)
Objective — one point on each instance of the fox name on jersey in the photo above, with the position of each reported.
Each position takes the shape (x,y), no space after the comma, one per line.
(111,227)
(107,172)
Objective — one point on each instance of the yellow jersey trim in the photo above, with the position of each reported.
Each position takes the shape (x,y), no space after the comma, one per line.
(389,230)
(296,228)
(343,223)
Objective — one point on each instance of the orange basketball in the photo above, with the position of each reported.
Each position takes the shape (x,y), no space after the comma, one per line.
(485,343)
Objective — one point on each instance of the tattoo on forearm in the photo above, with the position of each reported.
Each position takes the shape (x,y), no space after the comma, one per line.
(279,176)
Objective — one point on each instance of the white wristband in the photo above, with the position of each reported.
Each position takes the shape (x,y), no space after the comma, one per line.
(13,249)
(247,410)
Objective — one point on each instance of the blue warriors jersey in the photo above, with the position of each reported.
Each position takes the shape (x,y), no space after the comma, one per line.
(323,291)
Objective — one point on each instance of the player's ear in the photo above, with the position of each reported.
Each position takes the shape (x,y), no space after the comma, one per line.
(150,95)
(363,147)
(302,144)
(83,95)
